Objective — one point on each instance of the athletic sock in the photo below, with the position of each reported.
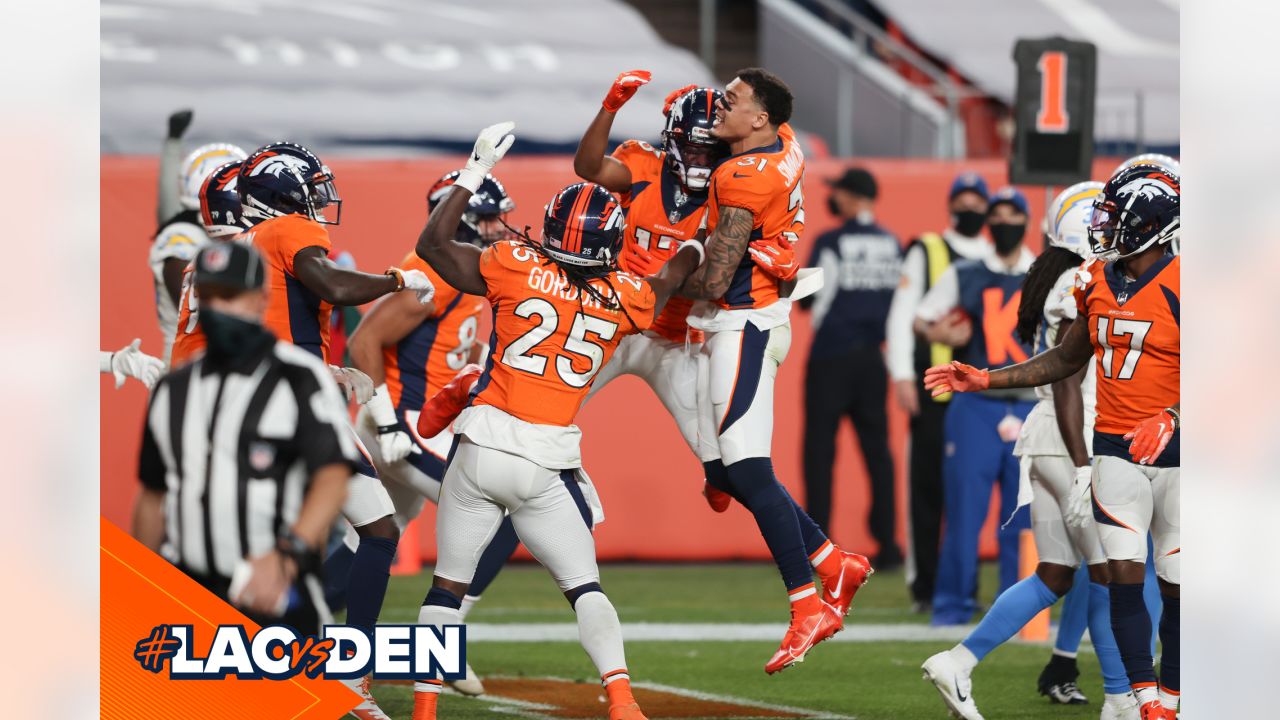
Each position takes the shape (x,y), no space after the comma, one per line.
(367,582)
(1131,626)
(494,557)
(425,700)
(1012,609)
(337,571)
(468,601)
(804,600)
(1152,595)
(771,504)
(439,609)
(963,657)
(1170,649)
(826,560)
(1074,617)
(717,476)
(600,632)
(1168,698)
(1114,679)
(814,538)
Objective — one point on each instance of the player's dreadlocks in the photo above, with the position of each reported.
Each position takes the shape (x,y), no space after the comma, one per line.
(578,277)
(1041,276)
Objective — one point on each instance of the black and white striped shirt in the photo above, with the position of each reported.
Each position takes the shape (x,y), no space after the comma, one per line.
(234,453)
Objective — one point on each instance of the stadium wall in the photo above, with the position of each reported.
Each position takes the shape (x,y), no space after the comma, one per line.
(647,478)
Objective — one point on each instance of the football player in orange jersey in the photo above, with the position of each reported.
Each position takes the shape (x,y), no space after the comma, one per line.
(756,195)
(285,192)
(560,309)
(411,350)
(664,195)
(1129,305)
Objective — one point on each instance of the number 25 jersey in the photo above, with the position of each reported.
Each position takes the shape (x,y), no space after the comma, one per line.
(549,343)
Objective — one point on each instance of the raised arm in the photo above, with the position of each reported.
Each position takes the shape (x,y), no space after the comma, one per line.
(592,161)
(724,253)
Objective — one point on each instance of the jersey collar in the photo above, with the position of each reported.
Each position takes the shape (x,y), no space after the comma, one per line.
(1122,287)
(676,213)
(775,146)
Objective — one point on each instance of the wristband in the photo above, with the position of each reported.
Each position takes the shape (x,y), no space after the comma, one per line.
(399,278)
(1177,419)
(380,408)
(470,177)
(304,556)
(702,253)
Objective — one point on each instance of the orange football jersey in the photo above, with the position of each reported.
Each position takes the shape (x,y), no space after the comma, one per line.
(767,181)
(294,313)
(548,343)
(431,354)
(189,339)
(1134,325)
(659,217)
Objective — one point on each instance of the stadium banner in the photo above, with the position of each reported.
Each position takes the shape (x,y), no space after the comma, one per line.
(631,448)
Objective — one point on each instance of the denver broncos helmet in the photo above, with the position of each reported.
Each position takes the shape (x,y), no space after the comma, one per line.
(220,202)
(284,178)
(1140,206)
(583,227)
(483,222)
(692,152)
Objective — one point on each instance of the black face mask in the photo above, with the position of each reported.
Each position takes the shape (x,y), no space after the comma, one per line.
(1006,236)
(230,338)
(968,222)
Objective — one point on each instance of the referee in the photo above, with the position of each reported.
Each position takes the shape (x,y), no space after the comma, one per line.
(245,462)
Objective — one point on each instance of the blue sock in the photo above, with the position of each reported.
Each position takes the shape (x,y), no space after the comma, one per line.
(771,504)
(443,598)
(814,538)
(718,477)
(1014,608)
(337,568)
(367,583)
(1151,594)
(1131,626)
(1114,679)
(500,548)
(1075,614)
(1170,636)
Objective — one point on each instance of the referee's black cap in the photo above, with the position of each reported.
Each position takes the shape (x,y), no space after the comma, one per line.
(230,265)
(857,181)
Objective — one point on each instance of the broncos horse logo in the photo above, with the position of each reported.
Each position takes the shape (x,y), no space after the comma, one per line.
(276,164)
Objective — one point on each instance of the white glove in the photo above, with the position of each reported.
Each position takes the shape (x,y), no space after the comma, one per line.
(130,362)
(1080,498)
(394,442)
(353,383)
(418,282)
(492,143)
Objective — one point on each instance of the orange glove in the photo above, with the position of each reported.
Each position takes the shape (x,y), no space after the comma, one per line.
(955,377)
(776,257)
(675,95)
(445,406)
(1150,437)
(624,87)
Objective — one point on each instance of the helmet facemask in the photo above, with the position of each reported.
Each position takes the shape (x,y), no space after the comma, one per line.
(322,193)
(693,159)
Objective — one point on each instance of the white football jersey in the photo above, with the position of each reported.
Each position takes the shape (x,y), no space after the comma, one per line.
(181,241)
(1040,434)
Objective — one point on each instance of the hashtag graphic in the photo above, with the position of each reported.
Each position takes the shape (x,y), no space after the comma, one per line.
(152,651)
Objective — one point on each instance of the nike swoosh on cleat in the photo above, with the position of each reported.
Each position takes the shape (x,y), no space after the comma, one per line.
(836,593)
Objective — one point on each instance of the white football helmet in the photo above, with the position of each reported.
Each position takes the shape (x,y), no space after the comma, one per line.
(1067,221)
(197,166)
(1159,159)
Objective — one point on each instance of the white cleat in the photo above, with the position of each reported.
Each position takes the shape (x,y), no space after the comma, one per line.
(471,685)
(1120,707)
(953,684)
(368,708)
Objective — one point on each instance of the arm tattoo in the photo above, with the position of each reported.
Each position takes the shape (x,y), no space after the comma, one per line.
(1052,365)
(724,253)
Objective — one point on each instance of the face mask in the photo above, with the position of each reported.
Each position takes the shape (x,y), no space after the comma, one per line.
(1006,237)
(968,222)
(231,338)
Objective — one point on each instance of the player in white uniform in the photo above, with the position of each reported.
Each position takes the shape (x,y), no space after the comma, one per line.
(1053,448)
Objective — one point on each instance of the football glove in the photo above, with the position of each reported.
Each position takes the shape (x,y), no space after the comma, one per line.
(130,362)
(955,377)
(775,258)
(445,406)
(417,282)
(491,144)
(393,442)
(179,121)
(675,95)
(624,87)
(1080,498)
(1150,437)
(354,383)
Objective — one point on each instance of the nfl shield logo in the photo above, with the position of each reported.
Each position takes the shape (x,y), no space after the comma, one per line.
(261,455)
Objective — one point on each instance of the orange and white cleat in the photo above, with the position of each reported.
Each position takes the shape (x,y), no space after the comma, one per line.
(853,574)
(368,708)
(1155,710)
(718,499)
(805,632)
(629,711)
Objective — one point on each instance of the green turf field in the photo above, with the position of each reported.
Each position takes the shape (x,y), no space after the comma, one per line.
(860,679)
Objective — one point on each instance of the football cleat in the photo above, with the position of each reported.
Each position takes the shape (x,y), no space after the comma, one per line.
(1065,693)
(424,705)
(953,683)
(718,499)
(1057,681)
(443,408)
(368,708)
(629,711)
(1154,710)
(469,685)
(803,633)
(1120,707)
(854,571)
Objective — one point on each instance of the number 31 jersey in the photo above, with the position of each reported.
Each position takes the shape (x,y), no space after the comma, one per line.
(549,343)
(1134,326)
